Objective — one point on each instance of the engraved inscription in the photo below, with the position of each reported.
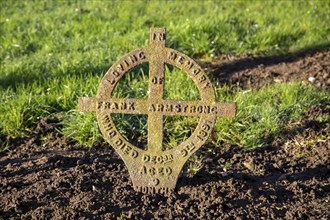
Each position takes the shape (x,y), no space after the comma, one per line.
(116,106)
(125,148)
(109,127)
(159,36)
(193,70)
(152,190)
(160,159)
(157,80)
(204,131)
(116,141)
(115,73)
(156,171)
(177,108)
(188,149)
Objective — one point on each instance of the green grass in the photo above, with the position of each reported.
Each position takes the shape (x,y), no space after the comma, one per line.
(263,113)
(52,52)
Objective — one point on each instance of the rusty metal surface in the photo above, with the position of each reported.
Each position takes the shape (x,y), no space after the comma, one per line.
(154,170)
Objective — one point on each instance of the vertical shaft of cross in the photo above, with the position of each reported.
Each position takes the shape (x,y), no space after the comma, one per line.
(156,89)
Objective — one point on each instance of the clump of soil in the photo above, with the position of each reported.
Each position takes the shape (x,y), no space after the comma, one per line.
(45,176)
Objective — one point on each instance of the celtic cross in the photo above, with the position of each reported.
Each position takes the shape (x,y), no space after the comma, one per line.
(155,170)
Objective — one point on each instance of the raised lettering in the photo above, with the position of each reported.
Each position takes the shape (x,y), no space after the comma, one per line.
(181,59)
(146,158)
(188,149)
(196,71)
(123,106)
(161,159)
(160,107)
(142,56)
(159,36)
(189,64)
(169,108)
(131,106)
(202,78)
(114,106)
(157,80)
(115,73)
(120,68)
(99,105)
(133,58)
(184,152)
(172,56)
(127,63)
(155,182)
(178,108)
(152,108)
(192,109)
(112,134)
(134,154)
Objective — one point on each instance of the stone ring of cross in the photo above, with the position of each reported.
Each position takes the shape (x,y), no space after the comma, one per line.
(154,170)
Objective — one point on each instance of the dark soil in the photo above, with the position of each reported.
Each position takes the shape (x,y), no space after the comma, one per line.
(253,72)
(46,176)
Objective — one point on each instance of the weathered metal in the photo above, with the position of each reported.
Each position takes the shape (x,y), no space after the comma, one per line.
(155,170)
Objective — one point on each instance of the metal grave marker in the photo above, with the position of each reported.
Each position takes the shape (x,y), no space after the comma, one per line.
(155,170)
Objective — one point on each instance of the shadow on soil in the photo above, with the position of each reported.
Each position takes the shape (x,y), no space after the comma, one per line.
(229,68)
(277,187)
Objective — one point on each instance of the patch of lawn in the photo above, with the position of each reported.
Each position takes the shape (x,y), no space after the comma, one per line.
(263,113)
(52,52)
(21,108)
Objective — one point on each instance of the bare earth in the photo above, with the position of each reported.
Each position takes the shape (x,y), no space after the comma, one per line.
(46,176)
